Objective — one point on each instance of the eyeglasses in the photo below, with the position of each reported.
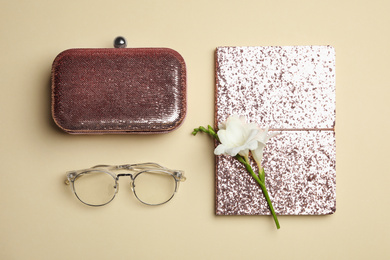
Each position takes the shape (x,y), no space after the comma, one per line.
(151,183)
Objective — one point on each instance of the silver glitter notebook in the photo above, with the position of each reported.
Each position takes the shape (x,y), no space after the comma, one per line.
(291,89)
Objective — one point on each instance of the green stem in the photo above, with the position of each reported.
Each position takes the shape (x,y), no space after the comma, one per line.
(212,132)
(209,131)
(260,180)
(262,186)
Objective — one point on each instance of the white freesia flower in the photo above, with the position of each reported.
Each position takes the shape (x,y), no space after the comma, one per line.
(262,137)
(237,137)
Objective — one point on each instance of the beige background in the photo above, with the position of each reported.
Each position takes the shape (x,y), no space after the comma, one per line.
(41,219)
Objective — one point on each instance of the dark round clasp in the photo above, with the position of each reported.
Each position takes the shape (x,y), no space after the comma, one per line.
(120,42)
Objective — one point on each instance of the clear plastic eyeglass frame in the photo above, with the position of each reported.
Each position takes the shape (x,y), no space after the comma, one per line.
(141,175)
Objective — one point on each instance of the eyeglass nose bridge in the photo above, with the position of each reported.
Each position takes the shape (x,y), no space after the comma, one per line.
(124,174)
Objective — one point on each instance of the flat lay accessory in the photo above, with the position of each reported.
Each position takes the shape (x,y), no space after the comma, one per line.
(290,92)
(119,90)
(151,183)
(241,140)
(290,89)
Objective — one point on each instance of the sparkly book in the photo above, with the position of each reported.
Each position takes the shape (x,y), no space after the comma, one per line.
(290,89)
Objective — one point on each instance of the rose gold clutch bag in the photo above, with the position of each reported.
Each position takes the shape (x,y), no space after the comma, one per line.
(119,90)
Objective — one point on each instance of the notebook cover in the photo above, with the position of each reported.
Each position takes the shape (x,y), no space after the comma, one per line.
(291,89)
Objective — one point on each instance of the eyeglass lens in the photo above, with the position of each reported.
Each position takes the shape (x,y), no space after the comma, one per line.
(154,187)
(95,187)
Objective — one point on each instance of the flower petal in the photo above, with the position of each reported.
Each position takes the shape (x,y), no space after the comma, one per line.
(258,153)
(244,153)
(220,149)
(222,135)
(238,137)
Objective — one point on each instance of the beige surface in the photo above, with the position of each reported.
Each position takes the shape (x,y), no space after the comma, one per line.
(40,218)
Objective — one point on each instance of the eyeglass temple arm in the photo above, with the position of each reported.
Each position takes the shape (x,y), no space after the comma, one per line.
(133,166)
(70,176)
(179,175)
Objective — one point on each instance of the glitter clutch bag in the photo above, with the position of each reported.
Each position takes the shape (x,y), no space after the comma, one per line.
(119,90)
(291,89)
